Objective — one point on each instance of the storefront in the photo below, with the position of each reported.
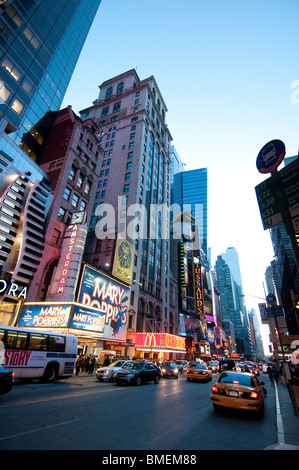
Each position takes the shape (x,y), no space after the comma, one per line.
(159,346)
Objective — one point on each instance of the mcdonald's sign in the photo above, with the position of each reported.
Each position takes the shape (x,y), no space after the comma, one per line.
(159,341)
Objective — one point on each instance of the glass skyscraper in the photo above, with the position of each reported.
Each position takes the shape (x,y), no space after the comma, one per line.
(191,192)
(40,41)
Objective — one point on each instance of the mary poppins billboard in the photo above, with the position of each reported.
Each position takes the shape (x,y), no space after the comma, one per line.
(109,297)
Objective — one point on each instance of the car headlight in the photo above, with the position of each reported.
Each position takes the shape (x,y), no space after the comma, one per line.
(175,370)
(163,370)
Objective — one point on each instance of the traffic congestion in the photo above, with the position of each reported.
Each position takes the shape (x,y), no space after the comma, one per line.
(236,385)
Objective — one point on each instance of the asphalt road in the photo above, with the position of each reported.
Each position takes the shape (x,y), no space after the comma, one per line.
(84,414)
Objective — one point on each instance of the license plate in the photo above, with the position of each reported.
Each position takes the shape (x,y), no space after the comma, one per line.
(233,394)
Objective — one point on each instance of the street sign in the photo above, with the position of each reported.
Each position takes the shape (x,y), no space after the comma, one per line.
(268,203)
(271,300)
(270,156)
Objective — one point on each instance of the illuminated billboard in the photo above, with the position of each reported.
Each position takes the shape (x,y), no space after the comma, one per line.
(109,297)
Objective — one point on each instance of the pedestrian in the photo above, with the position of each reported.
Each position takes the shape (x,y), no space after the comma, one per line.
(106,361)
(295,383)
(276,373)
(91,364)
(78,364)
(270,373)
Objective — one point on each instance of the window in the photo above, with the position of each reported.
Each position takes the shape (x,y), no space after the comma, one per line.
(80,180)
(130,155)
(105,111)
(38,341)
(11,69)
(126,188)
(132,136)
(128,176)
(61,214)
(56,343)
(116,107)
(120,88)
(109,93)
(66,194)
(17,106)
(82,205)
(129,165)
(72,173)
(105,182)
(75,200)
(103,194)
(87,187)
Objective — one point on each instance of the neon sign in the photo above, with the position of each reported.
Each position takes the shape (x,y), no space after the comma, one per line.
(199,302)
(68,256)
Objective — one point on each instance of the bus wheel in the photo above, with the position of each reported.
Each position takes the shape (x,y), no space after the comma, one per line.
(50,374)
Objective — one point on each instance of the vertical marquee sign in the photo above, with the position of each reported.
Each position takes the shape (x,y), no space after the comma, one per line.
(198,289)
(64,285)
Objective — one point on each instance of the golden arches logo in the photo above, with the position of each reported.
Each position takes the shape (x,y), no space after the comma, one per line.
(150,340)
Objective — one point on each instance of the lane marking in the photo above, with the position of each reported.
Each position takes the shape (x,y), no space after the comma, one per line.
(280,429)
(12,436)
(172,393)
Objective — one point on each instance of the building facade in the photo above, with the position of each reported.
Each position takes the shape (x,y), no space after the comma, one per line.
(134,186)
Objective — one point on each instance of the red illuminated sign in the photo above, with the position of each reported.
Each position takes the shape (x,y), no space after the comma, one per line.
(159,341)
(199,303)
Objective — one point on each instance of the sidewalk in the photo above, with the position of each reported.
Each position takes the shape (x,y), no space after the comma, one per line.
(287,421)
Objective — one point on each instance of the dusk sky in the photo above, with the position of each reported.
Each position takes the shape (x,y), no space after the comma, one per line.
(229,74)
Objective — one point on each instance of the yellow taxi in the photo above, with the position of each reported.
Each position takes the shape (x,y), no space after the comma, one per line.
(238,390)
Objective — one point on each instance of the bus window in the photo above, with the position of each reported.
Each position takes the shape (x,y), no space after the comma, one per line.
(2,335)
(56,343)
(11,339)
(38,341)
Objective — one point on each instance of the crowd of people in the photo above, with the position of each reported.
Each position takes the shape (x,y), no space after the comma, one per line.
(85,363)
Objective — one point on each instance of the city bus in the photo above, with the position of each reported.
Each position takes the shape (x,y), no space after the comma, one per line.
(31,354)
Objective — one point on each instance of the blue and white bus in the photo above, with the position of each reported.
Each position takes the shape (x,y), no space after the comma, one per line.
(37,354)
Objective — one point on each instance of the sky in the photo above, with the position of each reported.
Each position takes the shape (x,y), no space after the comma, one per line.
(229,74)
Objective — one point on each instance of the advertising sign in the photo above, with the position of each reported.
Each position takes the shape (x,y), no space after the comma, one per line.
(163,341)
(210,336)
(109,297)
(198,289)
(191,326)
(87,319)
(123,260)
(45,316)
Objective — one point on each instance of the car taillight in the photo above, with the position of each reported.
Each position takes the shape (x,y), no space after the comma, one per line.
(187,370)
(253,394)
(214,389)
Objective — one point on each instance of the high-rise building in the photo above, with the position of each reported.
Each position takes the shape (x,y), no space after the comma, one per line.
(40,44)
(191,193)
(134,185)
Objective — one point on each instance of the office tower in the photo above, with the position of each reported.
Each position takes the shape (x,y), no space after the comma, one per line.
(134,136)
(191,193)
(41,43)
(229,295)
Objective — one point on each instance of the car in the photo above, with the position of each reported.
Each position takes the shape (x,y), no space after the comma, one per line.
(250,368)
(106,373)
(198,371)
(170,369)
(6,380)
(138,372)
(238,390)
(182,366)
(226,364)
(265,368)
(213,366)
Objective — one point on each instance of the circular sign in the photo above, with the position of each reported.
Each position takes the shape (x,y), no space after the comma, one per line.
(210,336)
(271,300)
(270,156)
